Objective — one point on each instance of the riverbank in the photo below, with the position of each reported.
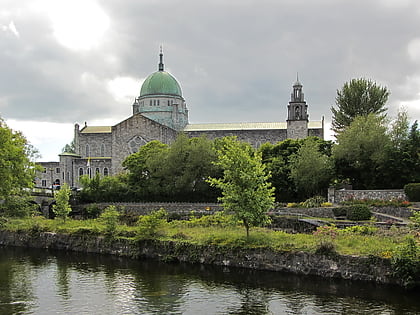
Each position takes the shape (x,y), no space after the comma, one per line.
(373,269)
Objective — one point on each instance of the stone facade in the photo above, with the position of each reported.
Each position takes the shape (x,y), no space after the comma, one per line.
(254,137)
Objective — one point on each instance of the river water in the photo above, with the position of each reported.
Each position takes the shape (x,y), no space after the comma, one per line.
(42,282)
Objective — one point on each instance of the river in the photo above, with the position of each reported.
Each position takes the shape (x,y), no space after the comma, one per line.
(46,282)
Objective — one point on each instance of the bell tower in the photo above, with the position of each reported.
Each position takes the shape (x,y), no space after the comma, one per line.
(297,113)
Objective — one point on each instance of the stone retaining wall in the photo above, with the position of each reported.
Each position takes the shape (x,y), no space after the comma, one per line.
(337,196)
(345,267)
(147,207)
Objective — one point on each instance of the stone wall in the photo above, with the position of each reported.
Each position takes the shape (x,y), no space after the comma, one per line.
(136,125)
(147,207)
(254,137)
(373,269)
(337,196)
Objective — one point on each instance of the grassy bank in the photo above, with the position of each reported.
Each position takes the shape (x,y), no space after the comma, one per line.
(359,241)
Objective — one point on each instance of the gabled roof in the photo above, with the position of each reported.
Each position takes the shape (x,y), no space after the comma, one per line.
(236,126)
(96,129)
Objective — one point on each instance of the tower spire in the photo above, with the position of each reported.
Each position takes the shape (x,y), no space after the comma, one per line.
(161,59)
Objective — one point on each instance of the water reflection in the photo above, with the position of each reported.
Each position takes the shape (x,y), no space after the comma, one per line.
(38,282)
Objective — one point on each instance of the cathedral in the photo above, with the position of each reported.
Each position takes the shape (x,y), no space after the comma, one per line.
(160,113)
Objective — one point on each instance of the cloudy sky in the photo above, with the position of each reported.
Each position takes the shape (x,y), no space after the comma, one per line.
(63,62)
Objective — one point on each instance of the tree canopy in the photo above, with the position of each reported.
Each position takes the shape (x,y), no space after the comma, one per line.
(17,168)
(245,187)
(359,97)
(362,150)
(310,169)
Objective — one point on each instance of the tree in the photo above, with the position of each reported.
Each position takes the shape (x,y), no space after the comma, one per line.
(310,170)
(62,207)
(403,164)
(361,152)
(176,173)
(278,157)
(245,187)
(359,97)
(17,168)
(69,148)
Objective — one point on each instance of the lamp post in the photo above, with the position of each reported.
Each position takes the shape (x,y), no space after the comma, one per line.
(52,182)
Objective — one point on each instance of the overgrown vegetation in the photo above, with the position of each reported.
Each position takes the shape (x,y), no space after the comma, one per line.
(412,191)
(62,207)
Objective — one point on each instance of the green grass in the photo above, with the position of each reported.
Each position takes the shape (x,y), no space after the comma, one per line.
(380,243)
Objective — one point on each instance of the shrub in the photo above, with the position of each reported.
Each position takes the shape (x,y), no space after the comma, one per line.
(415,219)
(406,263)
(313,202)
(358,213)
(62,207)
(340,211)
(92,211)
(325,236)
(359,230)
(412,191)
(110,218)
(220,219)
(151,225)
(18,206)
(3,222)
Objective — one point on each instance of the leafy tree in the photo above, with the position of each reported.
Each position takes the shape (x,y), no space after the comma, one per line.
(245,187)
(403,163)
(17,168)
(108,188)
(110,217)
(69,148)
(62,207)
(176,172)
(310,170)
(359,97)
(361,152)
(277,158)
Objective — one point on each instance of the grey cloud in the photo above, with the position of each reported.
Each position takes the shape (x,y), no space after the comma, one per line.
(235,60)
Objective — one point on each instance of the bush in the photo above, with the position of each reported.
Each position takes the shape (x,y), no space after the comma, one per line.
(151,225)
(110,218)
(220,219)
(18,206)
(313,202)
(92,211)
(358,213)
(406,263)
(340,211)
(412,191)
(3,222)
(325,236)
(415,219)
(360,230)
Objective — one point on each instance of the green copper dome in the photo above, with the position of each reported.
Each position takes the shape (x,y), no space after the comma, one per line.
(160,83)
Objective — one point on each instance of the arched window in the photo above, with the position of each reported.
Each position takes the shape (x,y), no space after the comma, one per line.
(80,171)
(105,171)
(97,171)
(87,150)
(102,149)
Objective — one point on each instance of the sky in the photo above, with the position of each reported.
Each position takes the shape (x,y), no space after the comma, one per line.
(67,62)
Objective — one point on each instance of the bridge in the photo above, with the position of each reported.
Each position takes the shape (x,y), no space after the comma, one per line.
(44,198)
